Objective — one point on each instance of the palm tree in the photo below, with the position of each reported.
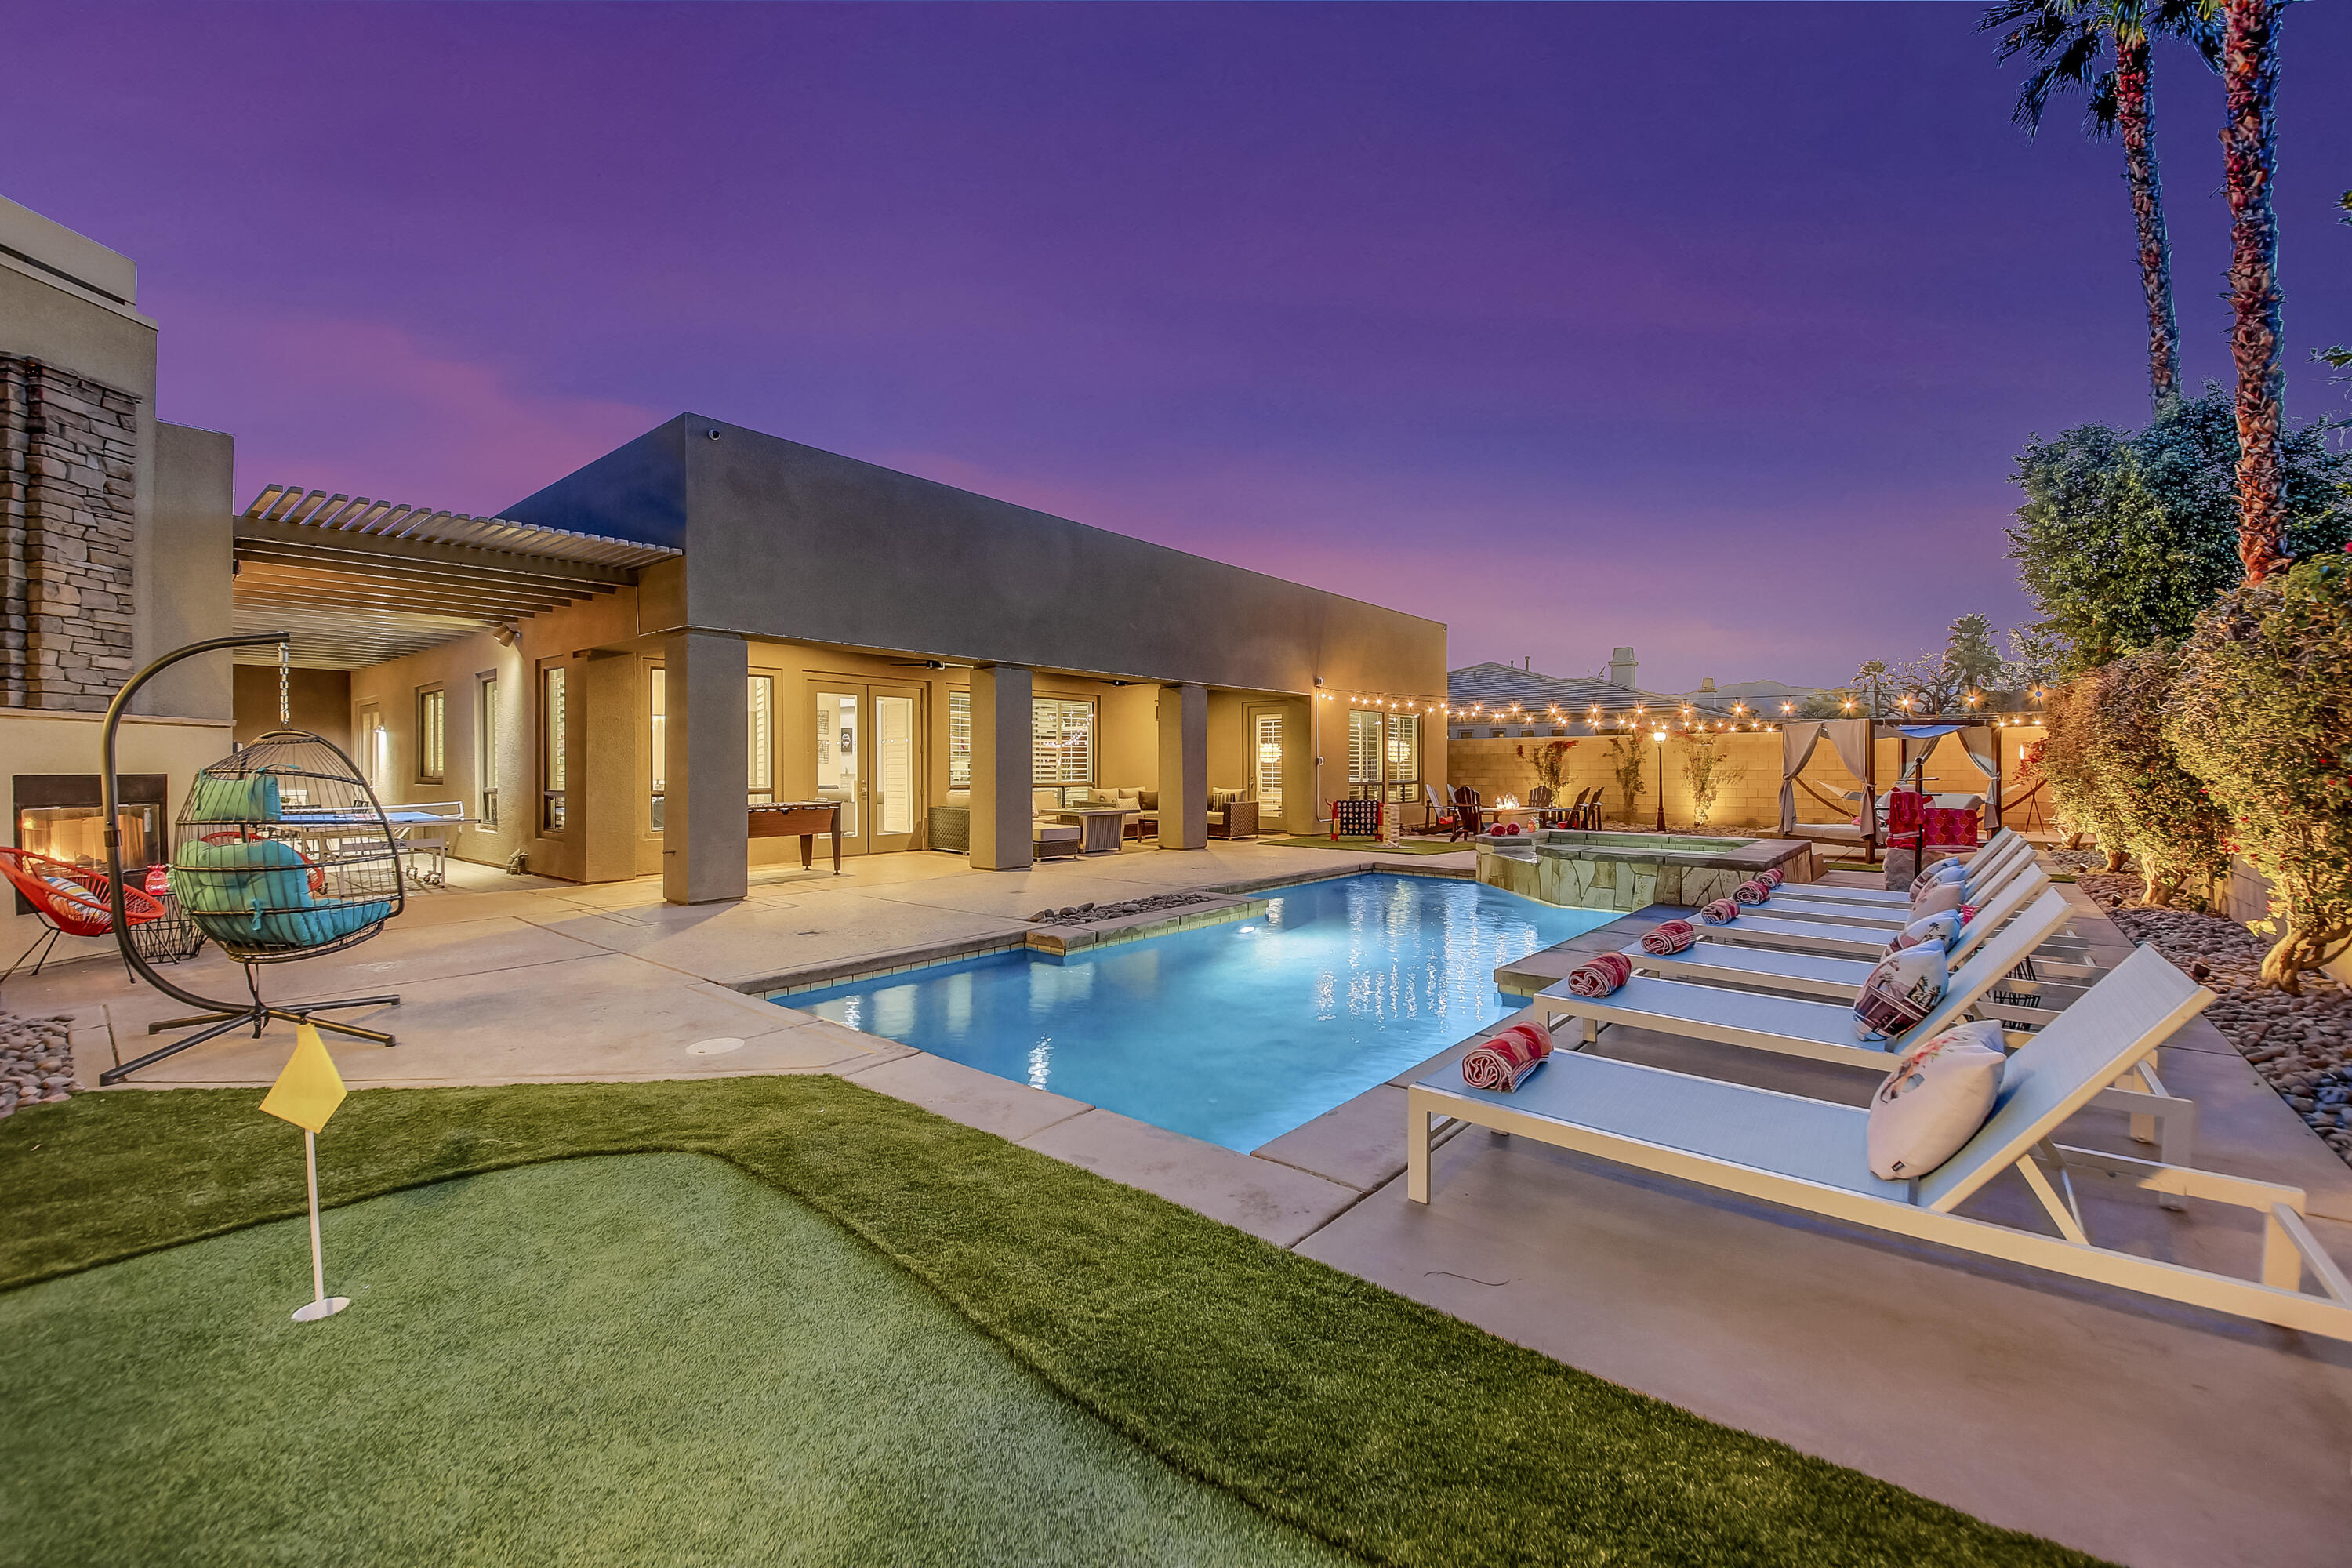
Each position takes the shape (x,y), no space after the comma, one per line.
(2069,39)
(2250,75)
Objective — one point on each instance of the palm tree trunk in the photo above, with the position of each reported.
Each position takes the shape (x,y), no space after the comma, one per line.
(2250,73)
(2132,117)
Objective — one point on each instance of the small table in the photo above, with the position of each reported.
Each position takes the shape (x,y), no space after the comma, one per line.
(802,820)
(1102,828)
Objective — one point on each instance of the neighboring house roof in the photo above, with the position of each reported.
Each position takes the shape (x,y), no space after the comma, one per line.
(1505,684)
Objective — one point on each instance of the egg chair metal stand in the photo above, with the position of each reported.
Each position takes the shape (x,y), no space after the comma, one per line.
(281,852)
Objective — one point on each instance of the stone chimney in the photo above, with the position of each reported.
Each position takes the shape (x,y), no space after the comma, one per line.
(1622,667)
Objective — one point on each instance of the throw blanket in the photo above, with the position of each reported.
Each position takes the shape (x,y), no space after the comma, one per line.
(1672,937)
(1750,892)
(1507,1058)
(1721,912)
(1599,976)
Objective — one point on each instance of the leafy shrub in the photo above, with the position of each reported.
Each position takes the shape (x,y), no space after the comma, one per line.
(2070,761)
(2126,536)
(2263,715)
(2113,768)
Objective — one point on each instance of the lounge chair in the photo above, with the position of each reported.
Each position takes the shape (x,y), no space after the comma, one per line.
(1998,851)
(1727,962)
(1823,1031)
(1467,813)
(1791,1026)
(1810,1155)
(2009,871)
(1860,936)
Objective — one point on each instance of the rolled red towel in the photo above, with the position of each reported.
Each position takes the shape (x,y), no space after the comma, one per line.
(1721,912)
(1672,937)
(1750,892)
(1502,1061)
(1772,877)
(1599,975)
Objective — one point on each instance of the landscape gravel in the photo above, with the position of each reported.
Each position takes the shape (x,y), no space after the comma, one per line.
(2302,1045)
(35,1061)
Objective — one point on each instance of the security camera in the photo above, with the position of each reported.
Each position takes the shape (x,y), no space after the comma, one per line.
(713,432)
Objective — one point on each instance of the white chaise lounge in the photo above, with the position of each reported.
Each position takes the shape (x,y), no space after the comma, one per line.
(1823,1031)
(2004,870)
(1720,958)
(1809,1155)
(1760,927)
(1998,851)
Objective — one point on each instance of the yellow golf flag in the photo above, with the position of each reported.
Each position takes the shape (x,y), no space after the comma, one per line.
(310,1089)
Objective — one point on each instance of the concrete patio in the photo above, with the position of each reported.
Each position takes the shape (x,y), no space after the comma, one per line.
(2142,1432)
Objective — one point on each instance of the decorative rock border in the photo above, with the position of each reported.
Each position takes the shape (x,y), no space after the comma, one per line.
(2302,1045)
(35,1061)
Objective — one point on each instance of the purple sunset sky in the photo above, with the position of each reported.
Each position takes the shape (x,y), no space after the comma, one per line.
(1711,329)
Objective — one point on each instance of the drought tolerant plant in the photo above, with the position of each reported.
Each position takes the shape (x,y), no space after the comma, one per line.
(2249,68)
(2070,39)
(1551,766)
(1706,770)
(2263,715)
(1627,757)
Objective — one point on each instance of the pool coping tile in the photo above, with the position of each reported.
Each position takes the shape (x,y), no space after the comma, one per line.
(1272,1201)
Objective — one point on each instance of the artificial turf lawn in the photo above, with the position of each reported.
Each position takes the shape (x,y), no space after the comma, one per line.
(1381,1425)
(650,1359)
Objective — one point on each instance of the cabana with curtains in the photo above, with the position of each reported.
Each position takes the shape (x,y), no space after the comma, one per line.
(1851,739)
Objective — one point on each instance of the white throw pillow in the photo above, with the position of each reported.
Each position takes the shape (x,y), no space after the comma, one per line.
(1948,869)
(1943,929)
(1934,1102)
(1937,900)
(1902,989)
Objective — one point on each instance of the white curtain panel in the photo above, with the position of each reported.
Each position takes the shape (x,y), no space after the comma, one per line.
(1797,743)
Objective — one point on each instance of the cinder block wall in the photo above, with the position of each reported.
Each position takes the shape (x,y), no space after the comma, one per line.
(1750,798)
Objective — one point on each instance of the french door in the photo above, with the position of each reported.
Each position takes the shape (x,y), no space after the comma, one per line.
(869,757)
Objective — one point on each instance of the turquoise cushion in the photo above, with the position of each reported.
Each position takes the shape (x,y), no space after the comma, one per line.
(318,927)
(216,799)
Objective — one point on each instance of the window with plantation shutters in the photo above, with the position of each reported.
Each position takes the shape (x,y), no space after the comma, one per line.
(1062,744)
(1363,752)
(1405,754)
(959,739)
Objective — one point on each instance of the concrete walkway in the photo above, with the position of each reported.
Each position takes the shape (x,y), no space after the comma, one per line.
(2147,1433)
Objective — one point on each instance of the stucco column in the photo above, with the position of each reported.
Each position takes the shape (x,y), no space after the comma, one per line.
(1002,766)
(607,798)
(1184,767)
(706,831)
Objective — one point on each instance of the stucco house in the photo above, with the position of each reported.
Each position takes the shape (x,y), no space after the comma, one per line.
(609,676)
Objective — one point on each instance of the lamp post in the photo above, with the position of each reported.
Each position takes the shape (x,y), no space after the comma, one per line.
(1660,737)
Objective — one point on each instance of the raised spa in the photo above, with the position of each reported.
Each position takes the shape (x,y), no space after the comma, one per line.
(1626,871)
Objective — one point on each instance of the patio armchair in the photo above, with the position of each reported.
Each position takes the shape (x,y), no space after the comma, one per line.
(1230,815)
(1811,1155)
(1540,797)
(1467,813)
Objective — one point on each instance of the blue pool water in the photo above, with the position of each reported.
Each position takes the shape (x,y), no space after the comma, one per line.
(1234,1033)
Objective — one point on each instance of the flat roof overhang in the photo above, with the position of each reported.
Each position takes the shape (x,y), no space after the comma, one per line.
(359,582)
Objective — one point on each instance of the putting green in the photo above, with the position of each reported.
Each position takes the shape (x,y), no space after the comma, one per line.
(643,1358)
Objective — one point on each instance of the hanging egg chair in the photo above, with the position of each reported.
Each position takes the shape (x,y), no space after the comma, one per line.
(280,852)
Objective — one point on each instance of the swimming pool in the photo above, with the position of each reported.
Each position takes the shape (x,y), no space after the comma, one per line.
(1234,1033)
